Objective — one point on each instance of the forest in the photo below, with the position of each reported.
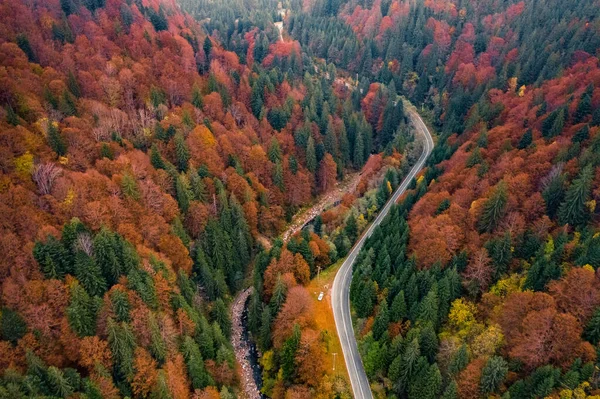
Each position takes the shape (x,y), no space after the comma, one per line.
(153,152)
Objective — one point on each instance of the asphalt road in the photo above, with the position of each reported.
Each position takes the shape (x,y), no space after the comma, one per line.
(341,284)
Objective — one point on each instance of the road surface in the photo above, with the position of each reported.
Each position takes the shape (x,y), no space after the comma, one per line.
(341,284)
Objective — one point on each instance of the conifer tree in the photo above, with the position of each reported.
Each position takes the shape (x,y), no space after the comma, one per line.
(181,152)
(493,209)
(55,140)
(574,210)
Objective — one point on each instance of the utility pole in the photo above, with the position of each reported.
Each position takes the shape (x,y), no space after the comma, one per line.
(334,355)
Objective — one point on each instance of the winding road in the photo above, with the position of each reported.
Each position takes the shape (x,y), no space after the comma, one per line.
(341,284)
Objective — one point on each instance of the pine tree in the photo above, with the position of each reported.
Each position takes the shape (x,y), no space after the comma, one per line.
(493,374)
(554,193)
(12,326)
(89,274)
(57,382)
(81,312)
(181,152)
(288,355)
(52,257)
(359,150)
(183,193)
(451,391)
(67,104)
(197,99)
(23,43)
(158,347)
(265,328)
(574,210)
(584,107)
(129,186)
(311,157)
(592,328)
(279,296)
(55,140)
(493,209)
(120,305)
(428,309)
(582,135)
(398,310)
(459,360)
(382,319)
(122,346)
(351,228)
(221,316)
(156,158)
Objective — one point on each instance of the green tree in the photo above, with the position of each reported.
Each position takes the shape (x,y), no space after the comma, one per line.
(181,152)
(493,209)
(197,99)
(525,140)
(574,210)
(12,325)
(592,328)
(288,355)
(311,157)
(81,312)
(220,314)
(398,310)
(122,346)
(156,158)
(493,374)
(57,382)
(554,192)
(23,43)
(382,320)
(459,360)
(55,140)
(584,107)
(129,186)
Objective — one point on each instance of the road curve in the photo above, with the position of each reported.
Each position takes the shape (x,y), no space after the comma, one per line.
(341,284)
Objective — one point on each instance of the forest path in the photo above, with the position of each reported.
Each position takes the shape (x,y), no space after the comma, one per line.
(341,284)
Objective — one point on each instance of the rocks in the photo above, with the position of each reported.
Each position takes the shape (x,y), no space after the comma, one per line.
(241,348)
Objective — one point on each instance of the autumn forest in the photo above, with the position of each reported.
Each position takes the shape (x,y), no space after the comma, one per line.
(160,159)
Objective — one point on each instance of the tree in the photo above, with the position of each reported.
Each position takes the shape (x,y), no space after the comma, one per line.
(584,107)
(525,140)
(398,310)
(55,140)
(182,153)
(195,364)
(12,326)
(327,173)
(220,314)
(81,312)
(23,43)
(574,210)
(592,328)
(145,376)
(311,157)
(493,374)
(122,346)
(493,209)
(382,319)
(288,355)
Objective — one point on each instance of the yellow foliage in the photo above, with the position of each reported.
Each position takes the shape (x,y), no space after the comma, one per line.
(420,179)
(591,205)
(4,183)
(24,165)
(522,91)
(462,315)
(512,84)
(589,268)
(508,285)
(63,160)
(68,201)
(389,187)
(205,136)
(486,343)
(361,222)
(267,361)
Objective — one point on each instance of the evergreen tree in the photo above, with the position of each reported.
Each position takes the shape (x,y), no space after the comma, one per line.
(288,355)
(582,135)
(493,374)
(89,274)
(120,305)
(493,209)
(526,140)
(197,99)
(23,43)
(311,157)
(554,193)
(584,107)
(592,328)
(451,391)
(81,312)
(156,158)
(265,328)
(52,257)
(181,152)
(57,382)
(129,186)
(55,140)
(398,310)
(12,326)
(381,320)
(220,314)
(122,346)
(459,360)
(351,228)
(574,210)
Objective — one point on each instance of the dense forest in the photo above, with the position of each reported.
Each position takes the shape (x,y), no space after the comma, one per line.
(144,166)
(153,151)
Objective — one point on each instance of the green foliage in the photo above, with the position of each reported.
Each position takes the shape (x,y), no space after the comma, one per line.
(181,152)
(574,210)
(288,355)
(55,140)
(81,311)
(493,374)
(23,43)
(592,328)
(12,325)
(493,209)
(525,140)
